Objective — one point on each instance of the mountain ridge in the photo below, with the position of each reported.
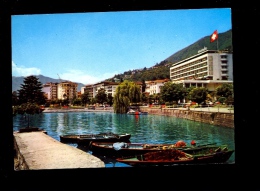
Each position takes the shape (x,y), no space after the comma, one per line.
(224,43)
(17,81)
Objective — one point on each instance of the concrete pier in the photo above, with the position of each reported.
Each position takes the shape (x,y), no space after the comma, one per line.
(37,150)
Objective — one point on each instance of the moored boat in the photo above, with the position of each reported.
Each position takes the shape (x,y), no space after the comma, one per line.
(87,138)
(122,149)
(108,137)
(136,112)
(175,157)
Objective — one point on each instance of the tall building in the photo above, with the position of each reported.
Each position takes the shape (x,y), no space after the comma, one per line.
(208,68)
(67,90)
(50,90)
(89,88)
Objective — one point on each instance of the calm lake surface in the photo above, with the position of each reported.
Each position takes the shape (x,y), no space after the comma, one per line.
(143,128)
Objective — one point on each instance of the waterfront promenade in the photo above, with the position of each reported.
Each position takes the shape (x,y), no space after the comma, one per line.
(36,150)
(211,109)
(110,109)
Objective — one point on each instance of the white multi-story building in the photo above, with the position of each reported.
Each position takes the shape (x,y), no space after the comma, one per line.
(109,87)
(154,86)
(208,68)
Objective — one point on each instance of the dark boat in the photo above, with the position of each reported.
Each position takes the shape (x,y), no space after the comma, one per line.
(100,137)
(122,149)
(175,157)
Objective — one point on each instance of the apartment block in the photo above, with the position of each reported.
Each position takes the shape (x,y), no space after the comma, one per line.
(109,87)
(51,90)
(67,90)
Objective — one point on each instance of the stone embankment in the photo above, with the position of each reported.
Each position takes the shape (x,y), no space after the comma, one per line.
(214,116)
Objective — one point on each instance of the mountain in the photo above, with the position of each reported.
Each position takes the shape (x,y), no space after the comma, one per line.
(224,43)
(161,70)
(17,81)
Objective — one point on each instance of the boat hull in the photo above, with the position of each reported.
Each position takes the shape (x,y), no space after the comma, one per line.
(133,149)
(119,138)
(102,137)
(140,160)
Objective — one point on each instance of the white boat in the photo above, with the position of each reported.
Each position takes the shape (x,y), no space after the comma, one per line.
(135,112)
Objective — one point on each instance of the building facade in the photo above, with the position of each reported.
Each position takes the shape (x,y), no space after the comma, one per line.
(208,68)
(51,90)
(154,86)
(67,90)
(109,87)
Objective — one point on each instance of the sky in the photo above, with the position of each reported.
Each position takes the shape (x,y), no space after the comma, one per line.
(91,47)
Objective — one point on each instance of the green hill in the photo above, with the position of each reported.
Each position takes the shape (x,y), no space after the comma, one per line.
(161,70)
(158,71)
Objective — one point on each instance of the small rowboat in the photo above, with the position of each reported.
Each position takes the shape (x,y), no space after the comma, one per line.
(122,149)
(87,138)
(175,157)
(134,112)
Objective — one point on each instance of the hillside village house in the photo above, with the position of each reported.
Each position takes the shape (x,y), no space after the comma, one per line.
(208,68)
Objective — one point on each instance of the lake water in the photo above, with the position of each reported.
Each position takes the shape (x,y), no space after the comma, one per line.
(143,128)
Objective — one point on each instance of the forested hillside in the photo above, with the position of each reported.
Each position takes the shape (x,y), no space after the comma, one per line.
(162,70)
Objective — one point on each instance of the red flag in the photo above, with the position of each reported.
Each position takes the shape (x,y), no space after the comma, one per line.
(214,36)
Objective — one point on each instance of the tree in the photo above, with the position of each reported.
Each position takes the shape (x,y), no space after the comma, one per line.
(101,96)
(226,91)
(31,91)
(126,93)
(30,98)
(15,99)
(85,97)
(109,99)
(144,97)
(199,94)
(172,92)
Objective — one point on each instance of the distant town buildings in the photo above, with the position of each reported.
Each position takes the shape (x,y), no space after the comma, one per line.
(62,90)
(208,68)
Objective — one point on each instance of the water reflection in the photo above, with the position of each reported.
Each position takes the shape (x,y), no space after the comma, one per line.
(143,128)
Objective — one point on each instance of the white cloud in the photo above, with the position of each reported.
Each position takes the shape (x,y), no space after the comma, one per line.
(23,71)
(82,77)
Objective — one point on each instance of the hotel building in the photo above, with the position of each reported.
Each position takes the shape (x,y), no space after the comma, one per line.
(208,68)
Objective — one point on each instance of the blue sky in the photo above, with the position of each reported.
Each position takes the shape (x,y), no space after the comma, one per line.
(91,47)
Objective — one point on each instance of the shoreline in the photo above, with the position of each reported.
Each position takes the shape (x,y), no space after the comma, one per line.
(75,110)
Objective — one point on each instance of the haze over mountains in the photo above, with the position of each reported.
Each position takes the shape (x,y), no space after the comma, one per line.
(224,43)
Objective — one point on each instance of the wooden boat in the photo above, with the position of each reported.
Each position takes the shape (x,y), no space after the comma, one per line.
(87,138)
(175,157)
(122,149)
(136,112)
